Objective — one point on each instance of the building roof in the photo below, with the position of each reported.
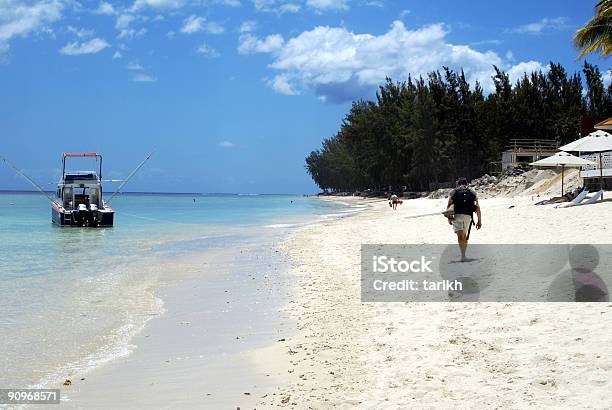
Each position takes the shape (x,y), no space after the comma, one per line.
(604,125)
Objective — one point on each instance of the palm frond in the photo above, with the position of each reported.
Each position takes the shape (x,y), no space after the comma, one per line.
(596,36)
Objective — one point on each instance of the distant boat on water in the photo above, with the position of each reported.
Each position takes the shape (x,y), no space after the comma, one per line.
(79,197)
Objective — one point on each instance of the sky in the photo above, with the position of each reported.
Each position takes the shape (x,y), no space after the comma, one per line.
(232,95)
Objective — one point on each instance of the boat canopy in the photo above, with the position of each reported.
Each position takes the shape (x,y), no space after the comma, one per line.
(82,154)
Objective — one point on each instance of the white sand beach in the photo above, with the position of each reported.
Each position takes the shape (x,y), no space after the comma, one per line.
(350,354)
(325,348)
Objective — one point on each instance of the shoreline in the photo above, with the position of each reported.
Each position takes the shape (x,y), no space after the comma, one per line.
(195,352)
(172,263)
(258,257)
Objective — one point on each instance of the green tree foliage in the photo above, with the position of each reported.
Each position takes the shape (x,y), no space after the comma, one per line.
(596,35)
(598,100)
(422,132)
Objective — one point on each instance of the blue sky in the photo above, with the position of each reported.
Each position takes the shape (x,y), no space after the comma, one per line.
(233,94)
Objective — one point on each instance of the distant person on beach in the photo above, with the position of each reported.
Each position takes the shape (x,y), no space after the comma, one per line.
(567,197)
(394,200)
(465,203)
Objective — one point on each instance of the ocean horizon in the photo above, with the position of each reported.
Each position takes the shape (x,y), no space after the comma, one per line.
(19,191)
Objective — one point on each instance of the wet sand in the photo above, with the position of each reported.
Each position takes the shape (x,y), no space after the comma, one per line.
(198,354)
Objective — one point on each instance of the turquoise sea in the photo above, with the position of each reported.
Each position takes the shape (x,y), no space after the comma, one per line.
(72,298)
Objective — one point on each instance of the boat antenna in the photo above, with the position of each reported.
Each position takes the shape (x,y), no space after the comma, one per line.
(125,181)
(30,180)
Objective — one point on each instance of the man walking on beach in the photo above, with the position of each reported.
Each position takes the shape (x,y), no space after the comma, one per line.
(393,199)
(465,203)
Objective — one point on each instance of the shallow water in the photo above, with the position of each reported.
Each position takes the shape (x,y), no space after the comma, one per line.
(72,298)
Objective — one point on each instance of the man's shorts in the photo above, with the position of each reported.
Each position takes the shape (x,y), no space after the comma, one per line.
(462,222)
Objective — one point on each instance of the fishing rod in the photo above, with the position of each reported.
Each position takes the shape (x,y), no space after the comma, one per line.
(419,216)
(125,181)
(30,180)
(441,213)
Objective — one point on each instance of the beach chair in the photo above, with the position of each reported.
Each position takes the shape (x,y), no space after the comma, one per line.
(594,198)
(574,201)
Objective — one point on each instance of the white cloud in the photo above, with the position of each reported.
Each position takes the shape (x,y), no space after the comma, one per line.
(557,23)
(143,78)
(80,33)
(214,28)
(264,5)
(226,144)
(124,21)
(341,65)
(249,44)
(123,24)
(158,4)
(208,51)
(289,8)
(276,6)
(327,4)
(509,55)
(607,77)
(134,67)
(486,42)
(374,3)
(281,85)
(92,46)
(20,18)
(105,9)
(248,26)
(117,55)
(194,24)
(526,67)
(131,33)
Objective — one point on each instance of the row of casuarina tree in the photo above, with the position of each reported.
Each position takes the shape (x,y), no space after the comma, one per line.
(422,132)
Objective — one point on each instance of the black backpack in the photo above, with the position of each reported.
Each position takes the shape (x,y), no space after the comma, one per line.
(464,201)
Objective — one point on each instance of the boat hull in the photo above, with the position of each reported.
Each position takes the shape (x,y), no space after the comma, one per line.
(93,219)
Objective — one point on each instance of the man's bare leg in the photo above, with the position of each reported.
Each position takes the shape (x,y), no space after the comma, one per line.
(463,243)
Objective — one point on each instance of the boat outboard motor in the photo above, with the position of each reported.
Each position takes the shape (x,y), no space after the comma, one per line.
(86,217)
(96,217)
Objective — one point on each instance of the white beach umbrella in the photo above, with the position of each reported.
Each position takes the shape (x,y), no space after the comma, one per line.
(597,141)
(562,159)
